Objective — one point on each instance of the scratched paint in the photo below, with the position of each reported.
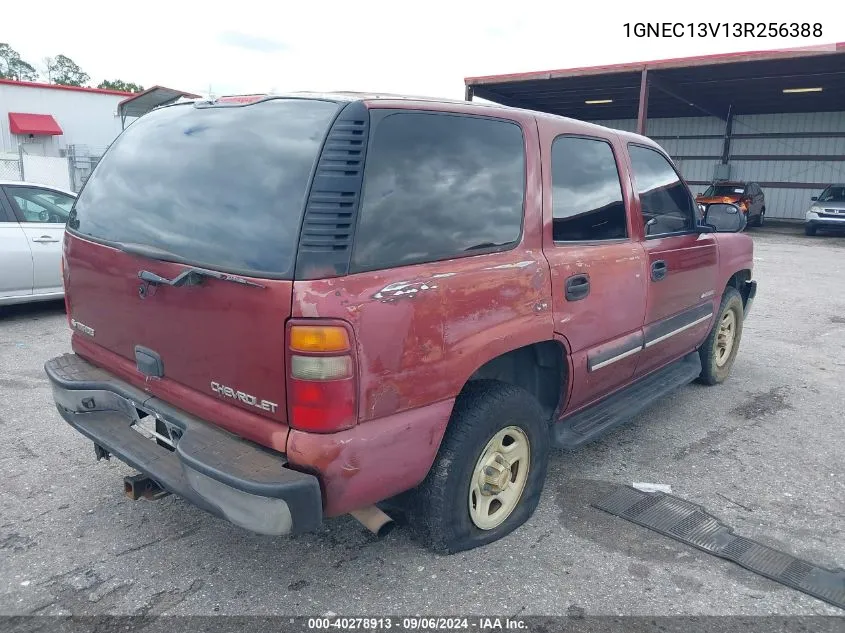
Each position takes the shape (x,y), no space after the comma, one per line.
(403,289)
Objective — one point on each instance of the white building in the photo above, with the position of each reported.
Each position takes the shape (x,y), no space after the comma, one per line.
(45,118)
(56,134)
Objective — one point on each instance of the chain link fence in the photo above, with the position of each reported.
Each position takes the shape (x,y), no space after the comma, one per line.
(69,171)
(81,162)
(10,169)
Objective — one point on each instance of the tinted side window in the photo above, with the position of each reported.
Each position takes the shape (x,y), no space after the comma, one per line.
(664,199)
(586,195)
(438,186)
(41,205)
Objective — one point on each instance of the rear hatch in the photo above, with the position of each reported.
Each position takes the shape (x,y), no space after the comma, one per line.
(183,244)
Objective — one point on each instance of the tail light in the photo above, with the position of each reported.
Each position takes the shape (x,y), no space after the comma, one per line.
(65,274)
(744,204)
(321,378)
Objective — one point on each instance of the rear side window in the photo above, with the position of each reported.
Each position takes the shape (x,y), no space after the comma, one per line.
(218,187)
(665,202)
(438,186)
(586,194)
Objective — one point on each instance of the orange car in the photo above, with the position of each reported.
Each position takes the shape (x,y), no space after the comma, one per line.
(748,196)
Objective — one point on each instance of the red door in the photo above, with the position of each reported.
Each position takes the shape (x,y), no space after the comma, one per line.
(682,263)
(598,266)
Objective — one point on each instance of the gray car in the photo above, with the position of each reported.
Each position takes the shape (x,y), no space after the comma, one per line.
(32,225)
(827,211)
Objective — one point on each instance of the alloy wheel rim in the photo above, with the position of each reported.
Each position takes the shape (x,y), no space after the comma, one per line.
(725,338)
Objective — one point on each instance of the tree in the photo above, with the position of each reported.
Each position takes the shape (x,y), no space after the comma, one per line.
(64,71)
(13,67)
(119,84)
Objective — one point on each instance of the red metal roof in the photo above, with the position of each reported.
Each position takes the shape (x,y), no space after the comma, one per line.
(23,123)
(36,84)
(675,62)
(742,83)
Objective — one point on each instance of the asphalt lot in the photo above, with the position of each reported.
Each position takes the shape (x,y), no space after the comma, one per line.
(763,452)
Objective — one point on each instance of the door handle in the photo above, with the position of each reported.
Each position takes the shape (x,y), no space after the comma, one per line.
(577,287)
(658,270)
(44,239)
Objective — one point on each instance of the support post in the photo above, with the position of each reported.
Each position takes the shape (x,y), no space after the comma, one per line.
(20,161)
(642,113)
(468,93)
(726,149)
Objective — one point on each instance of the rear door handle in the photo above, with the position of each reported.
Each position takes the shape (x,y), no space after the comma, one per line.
(577,287)
(658,270)
(44,239)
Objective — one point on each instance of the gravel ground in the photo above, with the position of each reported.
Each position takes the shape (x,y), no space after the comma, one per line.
(763,452)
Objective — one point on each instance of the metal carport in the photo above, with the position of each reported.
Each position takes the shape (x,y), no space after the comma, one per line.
(772,117)
(139,104)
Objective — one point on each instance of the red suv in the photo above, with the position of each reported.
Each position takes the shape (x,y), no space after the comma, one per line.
(293,307)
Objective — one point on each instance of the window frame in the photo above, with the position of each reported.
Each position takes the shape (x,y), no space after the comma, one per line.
(18,213)
(626,203)
(7,215)
(377,116)
(693,205)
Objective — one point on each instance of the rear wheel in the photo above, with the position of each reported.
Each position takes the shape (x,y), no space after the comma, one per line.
(719,350)
(489,472)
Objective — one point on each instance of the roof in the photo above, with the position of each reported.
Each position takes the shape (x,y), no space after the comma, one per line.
(139,104)
(394,100)
(36,84)
(21,183)
(41,124)
(750,83)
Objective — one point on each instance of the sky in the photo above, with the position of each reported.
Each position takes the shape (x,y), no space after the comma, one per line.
(419,48)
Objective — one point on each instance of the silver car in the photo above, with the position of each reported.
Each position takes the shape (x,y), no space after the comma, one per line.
(827,211)
(32,225)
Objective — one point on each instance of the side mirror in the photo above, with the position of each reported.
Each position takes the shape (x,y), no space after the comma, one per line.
(724,218)
(814,198)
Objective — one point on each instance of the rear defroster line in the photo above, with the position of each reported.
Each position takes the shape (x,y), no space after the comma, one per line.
(689,523)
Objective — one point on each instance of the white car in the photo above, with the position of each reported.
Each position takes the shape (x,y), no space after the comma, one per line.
(32,226)
(827,211)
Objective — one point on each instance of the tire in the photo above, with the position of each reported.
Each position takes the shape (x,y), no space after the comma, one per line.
(809,230)
(716,363)
(442,505)
(761,219)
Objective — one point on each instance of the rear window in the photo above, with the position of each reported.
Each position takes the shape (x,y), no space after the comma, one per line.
(218,187)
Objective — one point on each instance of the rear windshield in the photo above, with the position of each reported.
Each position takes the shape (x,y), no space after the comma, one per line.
(724,190)
(218,187)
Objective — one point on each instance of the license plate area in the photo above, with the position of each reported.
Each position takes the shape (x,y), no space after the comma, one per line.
(156,429)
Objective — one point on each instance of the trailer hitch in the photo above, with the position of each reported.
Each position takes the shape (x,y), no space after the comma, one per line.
(137,486)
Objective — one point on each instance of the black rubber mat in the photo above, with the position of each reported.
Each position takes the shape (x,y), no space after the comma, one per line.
(689,523)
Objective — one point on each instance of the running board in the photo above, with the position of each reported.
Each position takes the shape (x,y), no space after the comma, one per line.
(621,407)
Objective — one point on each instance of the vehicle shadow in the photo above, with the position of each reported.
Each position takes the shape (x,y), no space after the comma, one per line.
(31,311)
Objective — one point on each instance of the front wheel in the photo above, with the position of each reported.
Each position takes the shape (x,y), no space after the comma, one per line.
(489,472)
(809,230)
(719,350)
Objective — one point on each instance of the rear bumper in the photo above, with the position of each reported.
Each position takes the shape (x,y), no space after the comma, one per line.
(221,473)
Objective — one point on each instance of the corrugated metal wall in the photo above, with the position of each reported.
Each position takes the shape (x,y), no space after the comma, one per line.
(776,150)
